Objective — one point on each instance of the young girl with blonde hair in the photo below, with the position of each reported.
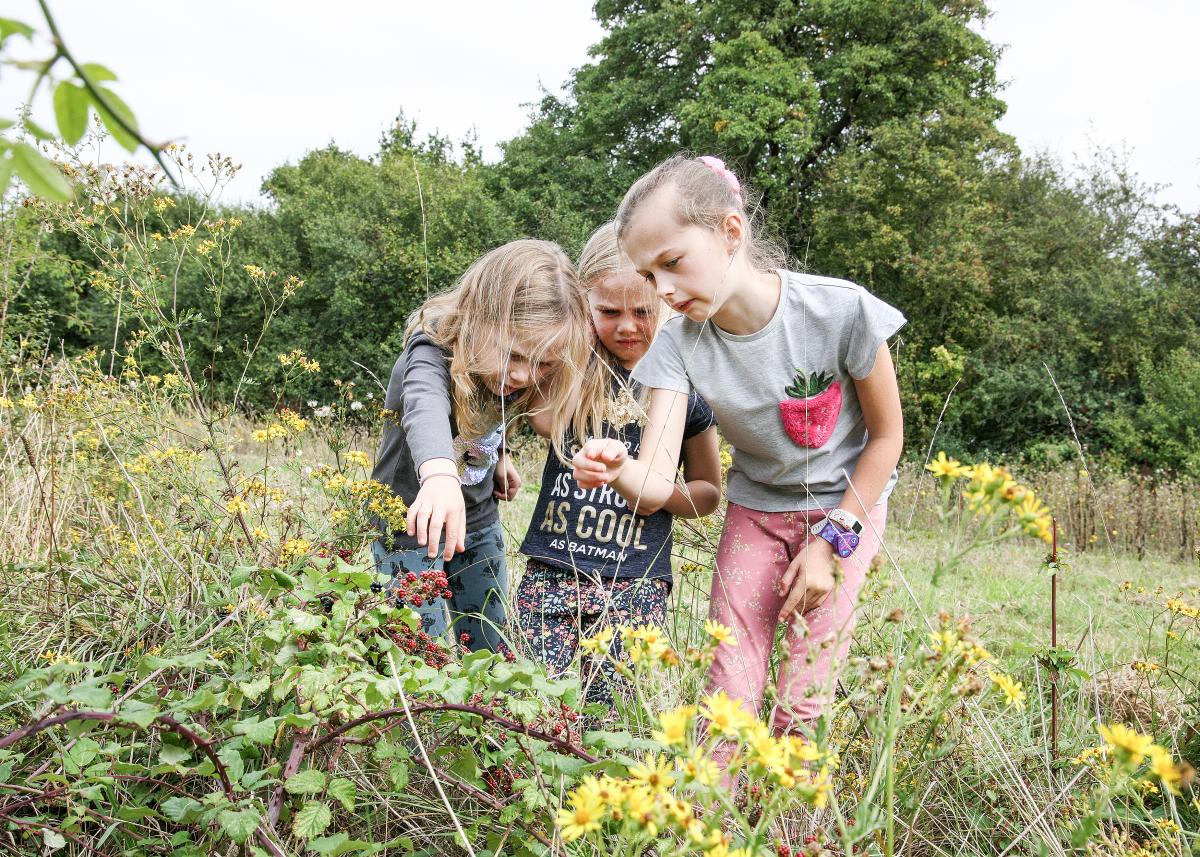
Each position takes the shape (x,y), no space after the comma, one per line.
(593,562)
(509,338)
(797,369)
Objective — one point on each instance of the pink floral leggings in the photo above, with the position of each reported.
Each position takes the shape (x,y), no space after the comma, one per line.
(752,557)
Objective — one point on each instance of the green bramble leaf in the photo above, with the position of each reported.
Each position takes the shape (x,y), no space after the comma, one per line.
(91,696)
(71,111)
(97,72)
(121,109)
(173,754)
(308,781)
(311,820)
(9,27)
(252,690)
(180,808)
(303,621)
(138,713)
(344,792)
(258,731)
(239,826)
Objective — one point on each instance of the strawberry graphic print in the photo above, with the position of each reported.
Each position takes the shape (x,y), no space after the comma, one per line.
(812,408)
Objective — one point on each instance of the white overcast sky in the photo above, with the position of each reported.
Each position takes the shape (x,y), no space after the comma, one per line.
(266,80)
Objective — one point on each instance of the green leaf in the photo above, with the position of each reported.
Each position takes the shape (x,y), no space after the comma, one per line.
(239,826)
(252,690)
(308,781)
(8,27)
(40,175)
(340,843)
(241,574)
(71,111)
(96,72)
(53,839)
(311,820)
(173,754)
(328,845)
(137,712)
(258,731)
(303,621)
(180,808)
(122,110)
(91,696)
(344,792)
(37,130)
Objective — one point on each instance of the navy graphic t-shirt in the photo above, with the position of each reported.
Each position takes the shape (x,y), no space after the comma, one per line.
(593,530)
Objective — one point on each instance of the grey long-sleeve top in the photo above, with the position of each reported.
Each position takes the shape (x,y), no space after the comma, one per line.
(420,426)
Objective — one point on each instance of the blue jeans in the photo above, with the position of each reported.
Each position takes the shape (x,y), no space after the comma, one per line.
(478,580)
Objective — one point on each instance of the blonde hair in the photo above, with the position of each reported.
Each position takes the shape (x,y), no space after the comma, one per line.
(524,291)
(702,198)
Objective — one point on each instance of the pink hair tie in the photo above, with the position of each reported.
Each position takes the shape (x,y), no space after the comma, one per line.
(718,167)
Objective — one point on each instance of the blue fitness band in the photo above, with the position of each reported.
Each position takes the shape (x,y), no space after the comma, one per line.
(843,542)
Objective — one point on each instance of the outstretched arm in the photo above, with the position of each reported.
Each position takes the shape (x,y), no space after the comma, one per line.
(648,481)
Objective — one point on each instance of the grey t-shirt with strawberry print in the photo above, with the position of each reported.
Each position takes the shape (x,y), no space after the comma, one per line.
(784,395)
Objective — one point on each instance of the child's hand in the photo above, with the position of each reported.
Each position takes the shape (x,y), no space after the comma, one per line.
(808,580)
(439,502)
(599,462)
(506,479)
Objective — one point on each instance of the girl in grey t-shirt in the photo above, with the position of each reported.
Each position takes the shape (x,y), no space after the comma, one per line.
(797,370)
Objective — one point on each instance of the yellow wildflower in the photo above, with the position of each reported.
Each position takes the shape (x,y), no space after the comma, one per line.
(656,772)
(719,633)
(701,769)
(725,715)
(1013,694)
(598,644)
(585,812)
(1127,742)
(358,458)
(237,504)
(1164,768)
(947,468)
(674,730)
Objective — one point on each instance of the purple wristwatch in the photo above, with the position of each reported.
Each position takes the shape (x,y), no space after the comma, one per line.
(843,542)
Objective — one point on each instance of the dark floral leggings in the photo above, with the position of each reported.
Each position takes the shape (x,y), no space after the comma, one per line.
(557,606)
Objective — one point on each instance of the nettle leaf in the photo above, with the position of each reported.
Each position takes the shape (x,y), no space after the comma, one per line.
(311,820)
(344,792)
(239,826)
(308,781)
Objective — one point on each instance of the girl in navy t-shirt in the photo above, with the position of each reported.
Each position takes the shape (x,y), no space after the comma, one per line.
(594,562)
